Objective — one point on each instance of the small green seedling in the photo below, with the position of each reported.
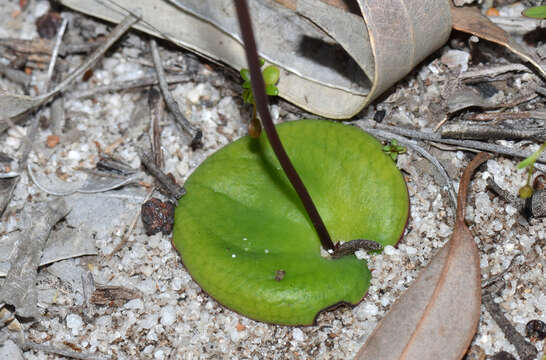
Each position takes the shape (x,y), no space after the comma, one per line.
(526,191)
(536,12)
(393,149)
(271,76)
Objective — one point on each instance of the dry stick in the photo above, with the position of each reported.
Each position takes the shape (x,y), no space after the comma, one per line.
(478,145)
(513,115)
(409,143)
(55,53)
(129,84)
(258,89)
(486,132)
(174,190)
(526,351)
(195,133)
(505,195)
(29,345)
(156,106)
(492,72)
(497,277)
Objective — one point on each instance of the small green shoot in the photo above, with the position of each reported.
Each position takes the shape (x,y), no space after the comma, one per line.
(536,12)
(393,149)
(271,76)
(526,191)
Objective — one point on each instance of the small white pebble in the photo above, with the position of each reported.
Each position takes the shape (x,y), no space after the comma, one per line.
(245,239)
(176,284)
(360,254)
(233,256)
(266,251)
(74,155)
(168,315)
(298,335)
(389,250)
(444,230)
(411,250)
(75,323)
(134,304)
(510,210)
(159,354)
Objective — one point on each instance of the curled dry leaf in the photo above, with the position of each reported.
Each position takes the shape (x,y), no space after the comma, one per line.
(471,21)
(333,62)
(437,316)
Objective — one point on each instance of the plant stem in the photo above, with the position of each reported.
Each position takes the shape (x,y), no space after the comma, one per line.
(260,98)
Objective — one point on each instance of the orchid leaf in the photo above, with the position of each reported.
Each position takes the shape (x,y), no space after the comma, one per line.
(245,238)
(537,12)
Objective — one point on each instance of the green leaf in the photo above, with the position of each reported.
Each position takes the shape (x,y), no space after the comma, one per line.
(245,74)
(247,85)
(537,12)
(262,62)
(271,75)
(271,90)
(241,224)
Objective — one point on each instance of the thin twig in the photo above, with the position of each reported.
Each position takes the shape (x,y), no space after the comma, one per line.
(55,53)
(156,106)
(497,277)
(173,190)
(491,72)
(512,115)
(260,97)
(172,105)
(130,84)
(57,111)
(413,145)
(526,350)
(352,246)
(29,345)
(478,145)
(487,132)
(505,195)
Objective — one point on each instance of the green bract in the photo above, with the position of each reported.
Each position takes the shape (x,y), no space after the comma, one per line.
(271,75)
(245,237)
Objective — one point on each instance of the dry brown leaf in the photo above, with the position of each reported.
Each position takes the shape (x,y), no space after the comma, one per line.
(471,21)
(438,315)
(335,56)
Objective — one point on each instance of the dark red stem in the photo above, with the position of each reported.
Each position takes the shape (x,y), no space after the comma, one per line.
(260,97)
